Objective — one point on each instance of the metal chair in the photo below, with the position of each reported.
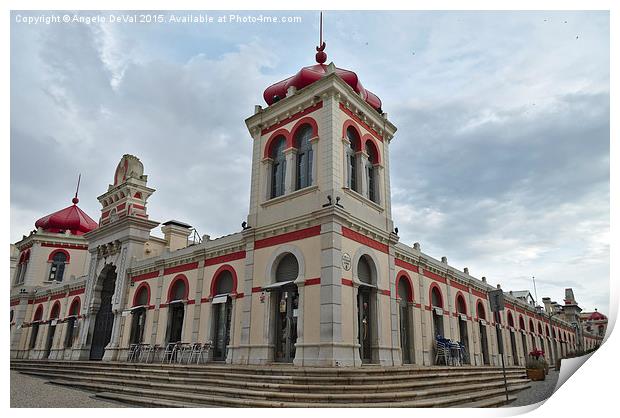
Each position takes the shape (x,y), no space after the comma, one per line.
(169,352)
(463,353)
(182,352)
(206,349)
(195,353)
(455,353)
(133,352)
(442,350)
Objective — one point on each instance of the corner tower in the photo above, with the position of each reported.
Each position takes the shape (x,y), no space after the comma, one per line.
(323,140)
(319,230)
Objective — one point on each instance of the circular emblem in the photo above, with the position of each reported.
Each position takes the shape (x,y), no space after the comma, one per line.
(346,261)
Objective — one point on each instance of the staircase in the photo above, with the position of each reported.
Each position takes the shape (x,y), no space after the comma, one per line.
(220,385)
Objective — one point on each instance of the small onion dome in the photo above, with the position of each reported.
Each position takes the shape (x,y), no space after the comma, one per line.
(596,316)
(309,75)
(71,219)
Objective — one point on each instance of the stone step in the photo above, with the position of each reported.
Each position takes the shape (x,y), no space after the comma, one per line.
(146,402)
(203,372)
(215,400)
(293,382)
(274,369)
(361,396)
(493,402)
(257,384)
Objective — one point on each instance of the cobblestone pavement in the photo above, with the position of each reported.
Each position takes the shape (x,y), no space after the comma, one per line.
(538,391)
(34,392)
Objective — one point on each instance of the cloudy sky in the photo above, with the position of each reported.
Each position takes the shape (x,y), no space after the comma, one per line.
(500,162)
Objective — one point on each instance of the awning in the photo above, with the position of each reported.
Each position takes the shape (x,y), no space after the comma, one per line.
(277,285)
(371,286)
(219,299)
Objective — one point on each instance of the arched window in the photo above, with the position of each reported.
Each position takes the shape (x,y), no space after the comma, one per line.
(304,157)
(364,270)
(480,311)
(460,305)
(371,172)
(224,283)
(55,313)
(20,274)
(404,290)
(288,268)
(436,299)
(278,168)
(179,290)
(511,321)
(437,314)
(57,269)
(352,175)
(142,296)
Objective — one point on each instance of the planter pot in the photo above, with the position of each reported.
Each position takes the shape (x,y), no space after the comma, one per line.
(536,374)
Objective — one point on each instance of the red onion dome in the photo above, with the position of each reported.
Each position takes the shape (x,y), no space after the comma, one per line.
(596,316)
(71,219)
(308,75)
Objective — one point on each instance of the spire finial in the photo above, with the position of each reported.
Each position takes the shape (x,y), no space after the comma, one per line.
(321,56)
(75,200)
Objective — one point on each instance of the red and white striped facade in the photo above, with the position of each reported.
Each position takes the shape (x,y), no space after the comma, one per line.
(341,235)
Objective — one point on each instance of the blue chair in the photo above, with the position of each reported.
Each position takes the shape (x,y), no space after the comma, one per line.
(442,350)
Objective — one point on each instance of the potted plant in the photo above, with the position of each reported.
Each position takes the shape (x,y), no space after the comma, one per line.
(535,365)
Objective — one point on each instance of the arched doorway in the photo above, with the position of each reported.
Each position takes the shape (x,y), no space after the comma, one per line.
(405,295)
(366,274)
(533,335)
(437,312)
(484,339)
(38,314)
(51,331)
(177,296)
(513,340)
(74,312)
(461,309)
(138,313)
(285,298)
(104,320)
(549,344)
(223,287)
(523,338)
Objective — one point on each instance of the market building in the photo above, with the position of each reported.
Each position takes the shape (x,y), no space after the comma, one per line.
(317,275)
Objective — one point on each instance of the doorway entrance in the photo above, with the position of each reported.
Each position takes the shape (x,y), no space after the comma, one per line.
(513,348)
(405,295)
(50,339)
(137,325)
(287,302)
(223,286)
(222,316)
(105,317)
(484,344)
(364,325)
(176,312)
